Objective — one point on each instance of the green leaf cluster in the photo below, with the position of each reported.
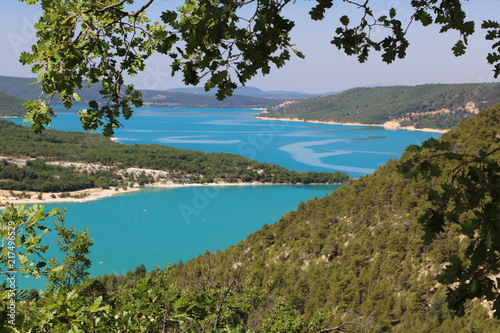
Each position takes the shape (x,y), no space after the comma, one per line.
(21,248)
(86,42)
(360,39)
(468,197)
(220,42)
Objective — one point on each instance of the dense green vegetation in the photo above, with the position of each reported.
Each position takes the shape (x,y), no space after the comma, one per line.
(41,177)
(353,260)
(412,106)
(184,165)
(11,106)
(438,120)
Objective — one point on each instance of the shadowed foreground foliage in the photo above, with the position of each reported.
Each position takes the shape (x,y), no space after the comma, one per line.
(219,44)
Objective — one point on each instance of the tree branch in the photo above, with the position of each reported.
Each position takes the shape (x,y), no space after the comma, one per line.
(143,8)
(112,6)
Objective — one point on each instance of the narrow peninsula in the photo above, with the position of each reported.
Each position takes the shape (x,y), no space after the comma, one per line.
(78,166)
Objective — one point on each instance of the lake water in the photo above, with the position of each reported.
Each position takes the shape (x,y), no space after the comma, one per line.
(160,226)
(299,146)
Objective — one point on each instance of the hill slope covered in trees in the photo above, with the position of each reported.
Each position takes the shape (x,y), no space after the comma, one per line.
(352,261)
(440,106)
(11,106)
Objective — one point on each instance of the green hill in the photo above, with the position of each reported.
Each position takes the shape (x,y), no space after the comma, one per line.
(440,106)
(11,106)
(154,98)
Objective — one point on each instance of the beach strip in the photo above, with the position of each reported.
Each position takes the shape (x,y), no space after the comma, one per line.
(86,195)
(389,125)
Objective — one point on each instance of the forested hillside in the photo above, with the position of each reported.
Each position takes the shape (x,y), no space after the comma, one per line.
(351,261)
(440,106)
(183,166)
(11,106)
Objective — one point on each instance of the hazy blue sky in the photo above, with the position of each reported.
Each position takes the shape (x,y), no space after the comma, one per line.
(325,68)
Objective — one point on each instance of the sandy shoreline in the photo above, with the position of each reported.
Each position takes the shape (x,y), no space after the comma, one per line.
(33,197)
(96,194)
(391,125)
(160,178)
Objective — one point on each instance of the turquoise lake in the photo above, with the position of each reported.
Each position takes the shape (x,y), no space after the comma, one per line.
(160,226)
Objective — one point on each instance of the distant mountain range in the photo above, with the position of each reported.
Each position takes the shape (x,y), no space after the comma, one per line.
(250,91)
(244,97)
(437,106)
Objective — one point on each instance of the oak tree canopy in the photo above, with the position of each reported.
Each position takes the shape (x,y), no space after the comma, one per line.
(220,43)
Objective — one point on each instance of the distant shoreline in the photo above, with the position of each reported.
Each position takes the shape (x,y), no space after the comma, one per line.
(159,179)
(389,125)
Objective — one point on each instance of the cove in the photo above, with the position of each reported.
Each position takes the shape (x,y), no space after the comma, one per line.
(158,226)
